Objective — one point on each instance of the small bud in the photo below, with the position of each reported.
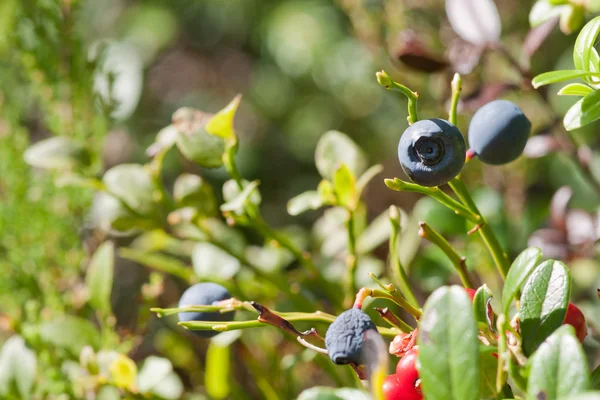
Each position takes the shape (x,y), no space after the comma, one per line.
(383,79)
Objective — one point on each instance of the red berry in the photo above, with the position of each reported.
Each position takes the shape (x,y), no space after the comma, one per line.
(471,293)
(392,389)
(408,376)
(576,319)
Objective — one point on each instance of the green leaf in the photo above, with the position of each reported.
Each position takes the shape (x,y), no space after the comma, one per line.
(571,18)
(70,333)
(575,89)
(542,11)
(110,213)
(58,152)
(558,369)
(558,76)
(132,184)
(488,366)
(212,262)
(448,346)
(378,231)
(194,142)
(218,365)
(544,303)
(157,377)
(165,139)
(583,396)
(192,191)
(99,277)
(222,123)
(595,379)
(159,262)
(18,368)
(238,203)
(327,393)
(309,200)
(333,150)
(582,53)
(585,111)
(518,273)
(481,305)
(344,185)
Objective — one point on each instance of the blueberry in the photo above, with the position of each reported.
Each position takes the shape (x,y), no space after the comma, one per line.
(431,152)
(206,293)
(346,335)
(498,132)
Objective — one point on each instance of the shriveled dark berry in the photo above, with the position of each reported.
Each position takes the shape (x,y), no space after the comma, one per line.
(498,132)
(204,294)
(346,335)
(432,152)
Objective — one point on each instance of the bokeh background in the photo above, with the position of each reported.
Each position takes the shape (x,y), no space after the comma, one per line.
(112,72)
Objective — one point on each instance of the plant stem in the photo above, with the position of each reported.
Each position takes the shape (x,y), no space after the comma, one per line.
(351,260)
(413,97)
(456,89)
(485,230)
(427,232)
(398,271)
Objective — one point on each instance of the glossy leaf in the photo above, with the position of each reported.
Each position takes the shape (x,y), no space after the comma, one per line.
(476,21)
(334,149)
(482,306)
(518,273)
(309,200)
(582,53)
(448,346)
(558,76)
(58,152)
(99,277)
(575,89)
(544,303)
(558,369)
(585,111)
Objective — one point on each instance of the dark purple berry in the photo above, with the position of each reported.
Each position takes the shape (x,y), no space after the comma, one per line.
(203,294)
(498,132)
(432,152)
(346,335)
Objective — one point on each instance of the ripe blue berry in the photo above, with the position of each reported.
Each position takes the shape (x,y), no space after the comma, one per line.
(345,337)
(498,132)
(431,152)
(203,294)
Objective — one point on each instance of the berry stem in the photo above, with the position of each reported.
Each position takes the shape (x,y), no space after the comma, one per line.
(398,271)
(485,230)
(351,260)
(456,89)
(427,232)
(413,97)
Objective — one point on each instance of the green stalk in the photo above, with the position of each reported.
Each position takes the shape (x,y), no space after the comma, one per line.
(456,89)
(351,261)
(398,271)
(413,97)
(427,232)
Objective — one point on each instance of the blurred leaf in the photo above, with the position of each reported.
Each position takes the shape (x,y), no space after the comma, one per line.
(70,333)
(268,258)
(448,346)
(222,123)
(109,213)
(333,150)
(543,303)
(558,369)
(584,45)
(558,76)
(238,203)
(192,191)
(583,396)
(58,152)
(123,372)
(344,184)
(376,233)
(595,379)
(224,235)
(326,393)
(417,56)
(542,11)
(367,176)
(476,21)
(99,277)
(310,200)
(541,145)
(217,371)
(159,262)
(518,273)
(80,181)
(211,261)
(575,89)
(132,184)
(585,111)
(157,377)
(571,18)
(165,139)
(18,368)
(194,142)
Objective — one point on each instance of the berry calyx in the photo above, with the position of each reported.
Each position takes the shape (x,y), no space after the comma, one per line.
(432,152)
(498,132)
(576,319)
(204,294)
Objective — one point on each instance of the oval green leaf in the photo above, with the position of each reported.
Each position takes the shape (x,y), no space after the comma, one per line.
(575,89)
(518,273)
(334,149)
(558,369)
(482,307)
(558,76)
(132,184)
(585,111)
(543,303)
(448,346)
(585,43)
(99,278)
